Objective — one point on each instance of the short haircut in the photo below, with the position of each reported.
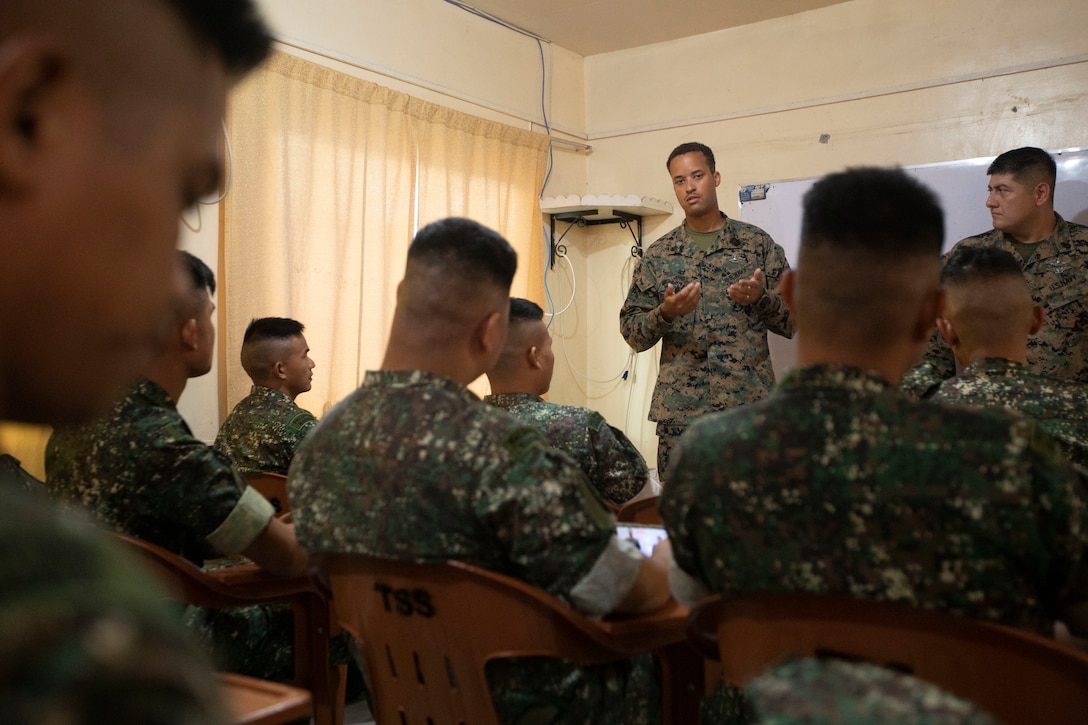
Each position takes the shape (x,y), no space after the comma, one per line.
(879,212)
(692,147)
(233,29)
(200,274)
(272,328)
(1026,165)
(974,264)
(465,249)
(523,310)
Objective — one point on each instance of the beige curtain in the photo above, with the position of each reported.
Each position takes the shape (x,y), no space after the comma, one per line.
(325,201)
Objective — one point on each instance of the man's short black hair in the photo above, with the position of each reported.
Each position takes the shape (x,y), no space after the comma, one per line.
(466,249)
(200,274)
(971,264)
(881,211)
(1025,165)
(233,29)
(523,309)
(272,328)
(692,147)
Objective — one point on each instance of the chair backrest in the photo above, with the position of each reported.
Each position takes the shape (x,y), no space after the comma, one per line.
(1016,676)
(428,630)
(272,486)
(250,701)
(640,511)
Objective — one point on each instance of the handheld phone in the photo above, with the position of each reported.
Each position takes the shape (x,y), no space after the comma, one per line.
(644,535)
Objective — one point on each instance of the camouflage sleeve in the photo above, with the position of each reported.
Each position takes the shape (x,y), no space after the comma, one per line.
(620,472)
(772,309)
(641,323)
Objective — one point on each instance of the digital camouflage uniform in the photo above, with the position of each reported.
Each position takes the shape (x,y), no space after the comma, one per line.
(717,356)
(1059,407)
(415,467)
(1056,276)
(263,431)
(611,461)
(141,471)
(85,637)
(839,483)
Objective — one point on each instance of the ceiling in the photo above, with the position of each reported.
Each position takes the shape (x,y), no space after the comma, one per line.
(589,27)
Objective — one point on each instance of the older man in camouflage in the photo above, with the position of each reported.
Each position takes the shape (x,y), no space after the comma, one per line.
(1053,254)
(523,373)
(413,466)
(840,483)
(266,427)
(986,320)
(707,291)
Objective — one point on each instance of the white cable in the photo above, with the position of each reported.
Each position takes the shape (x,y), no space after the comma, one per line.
(573,286)
(230,170)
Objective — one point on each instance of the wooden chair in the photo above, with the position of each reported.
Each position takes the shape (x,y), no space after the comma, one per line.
(250,701)
(1016,676)
(427,632)
(272,486)
(640,511)
(248,584)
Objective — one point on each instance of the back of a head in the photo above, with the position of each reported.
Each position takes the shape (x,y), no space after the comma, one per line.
(526,317)
(1028,166)
(987,297)
(464,251)
(265,341)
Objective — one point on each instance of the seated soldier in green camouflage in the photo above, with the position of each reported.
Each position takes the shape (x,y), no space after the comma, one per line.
(266,427)
(523,373)
(413,466)
(840,483)
(986,319)
(141,471)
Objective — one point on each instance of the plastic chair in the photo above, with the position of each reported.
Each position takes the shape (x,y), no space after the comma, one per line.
(1015,675)
(272,486)
(427,632)
(249,584)
(250,701)
(640,511)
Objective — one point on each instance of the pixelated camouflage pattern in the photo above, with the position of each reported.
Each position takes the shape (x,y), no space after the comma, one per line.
(835,692)
(1059,407)
(609,459)
(717,356)
(415,467)
(839,483)
(1056,277)
(85,636)
(667,438)
(263,431)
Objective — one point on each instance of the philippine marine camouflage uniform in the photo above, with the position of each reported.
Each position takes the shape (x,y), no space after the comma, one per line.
(415,467)
(1059,407)
(85,637)
(614,466)
(717,356)
(839,483)
(1056,276)
(141,471)
(263,431)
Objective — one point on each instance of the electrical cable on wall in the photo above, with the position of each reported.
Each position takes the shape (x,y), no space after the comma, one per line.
(226,186)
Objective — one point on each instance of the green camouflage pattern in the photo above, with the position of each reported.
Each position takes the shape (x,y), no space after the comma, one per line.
(839,483)
(716,357)
(835,692)
(263,431)
(85,636)
(1056,277)
(1059,407)
(609,459)
(415,467)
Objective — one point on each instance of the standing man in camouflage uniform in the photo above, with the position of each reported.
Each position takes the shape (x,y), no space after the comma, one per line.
(266,427)
(413,466)
(141,471)
(1053,254)
(707,290)
(840,483)
(986,320)
(107,134)
(523,373)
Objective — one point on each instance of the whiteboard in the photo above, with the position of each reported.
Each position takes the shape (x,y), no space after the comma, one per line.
(960,187)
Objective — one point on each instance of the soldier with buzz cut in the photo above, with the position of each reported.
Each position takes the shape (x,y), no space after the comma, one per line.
(266,427)
(413,466)
(840,483)
(986,320)
(708,291)
(523,373)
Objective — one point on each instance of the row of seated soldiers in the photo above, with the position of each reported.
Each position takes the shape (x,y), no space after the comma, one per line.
(838,482)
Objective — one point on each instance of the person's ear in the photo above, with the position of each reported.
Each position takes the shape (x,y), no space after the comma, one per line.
(1038,317)
(927,315)
(1042,193)
(787,288)
(188,334)
(279,370)
(948,332)
(532,356)
(491,335)
(31,80)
